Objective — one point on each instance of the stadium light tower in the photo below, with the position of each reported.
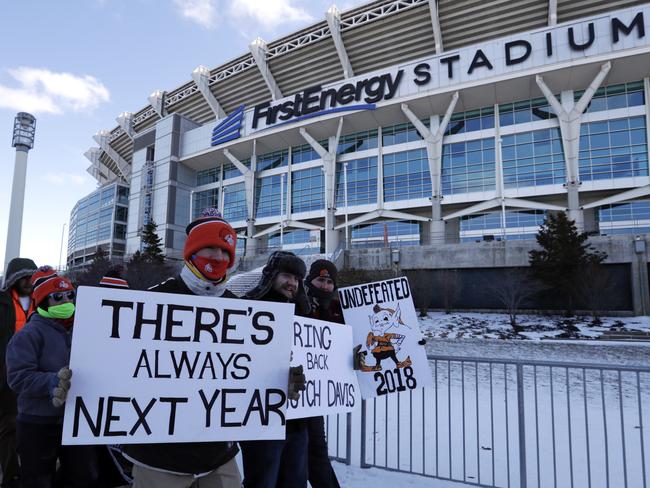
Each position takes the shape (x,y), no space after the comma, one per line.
(23,141)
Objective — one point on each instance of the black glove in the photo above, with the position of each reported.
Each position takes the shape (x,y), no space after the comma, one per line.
(422,342)
(358,357)
(297,382)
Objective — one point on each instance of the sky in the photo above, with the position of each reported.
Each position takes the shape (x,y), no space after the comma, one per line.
(77,64)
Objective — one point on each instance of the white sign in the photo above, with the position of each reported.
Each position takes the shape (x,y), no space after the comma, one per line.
(324,350)
(385,323)
(158,367)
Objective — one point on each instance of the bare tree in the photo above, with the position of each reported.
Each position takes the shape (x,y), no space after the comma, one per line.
(447,285)
(595,289)
(512,289)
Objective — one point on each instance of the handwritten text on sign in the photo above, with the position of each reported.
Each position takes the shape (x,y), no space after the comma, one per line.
(385,323)
(324,350)
(157,367)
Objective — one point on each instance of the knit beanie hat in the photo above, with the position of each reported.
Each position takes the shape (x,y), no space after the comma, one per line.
(45,280)
(113,279)
(210,229)
(322,268)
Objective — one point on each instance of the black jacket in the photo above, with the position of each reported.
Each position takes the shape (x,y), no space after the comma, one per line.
(187,457)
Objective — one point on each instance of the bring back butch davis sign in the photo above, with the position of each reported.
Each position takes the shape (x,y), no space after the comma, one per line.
(155,367)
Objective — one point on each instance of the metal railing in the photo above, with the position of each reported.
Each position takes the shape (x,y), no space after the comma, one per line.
(515,423)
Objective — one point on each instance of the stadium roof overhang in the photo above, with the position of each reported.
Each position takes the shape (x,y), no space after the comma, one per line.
(504,89)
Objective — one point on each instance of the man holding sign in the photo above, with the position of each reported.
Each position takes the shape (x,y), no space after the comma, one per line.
(389,355)
(209,254)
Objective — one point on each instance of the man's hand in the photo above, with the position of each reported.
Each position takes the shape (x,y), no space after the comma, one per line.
(60,392)
(297,382)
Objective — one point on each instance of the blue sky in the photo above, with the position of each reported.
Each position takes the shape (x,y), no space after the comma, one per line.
(77,64)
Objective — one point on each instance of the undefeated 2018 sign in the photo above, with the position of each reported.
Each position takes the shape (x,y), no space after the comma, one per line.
(157,367)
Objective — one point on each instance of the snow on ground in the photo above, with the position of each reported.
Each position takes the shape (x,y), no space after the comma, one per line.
(535,327)
(355,477)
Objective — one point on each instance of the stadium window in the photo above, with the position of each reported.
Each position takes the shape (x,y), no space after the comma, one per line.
(406,175)
(468,166)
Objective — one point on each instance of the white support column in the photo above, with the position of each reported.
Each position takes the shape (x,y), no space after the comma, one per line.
(328,157)
(258,50)
(289,187)
(157,101)
(433,141)
(125,121)
(249,188)
(333,16)
(97,169)
(201,76)
(380,170)
(552,12)
(498,169)
(569,115)
(101,138)
(435,23)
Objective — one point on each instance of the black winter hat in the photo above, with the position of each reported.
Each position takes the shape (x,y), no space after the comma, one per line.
(16,269)
(279,262)
(324,268)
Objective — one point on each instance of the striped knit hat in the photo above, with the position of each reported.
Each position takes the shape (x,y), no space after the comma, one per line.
(210,229)
(46,281)
(110,282)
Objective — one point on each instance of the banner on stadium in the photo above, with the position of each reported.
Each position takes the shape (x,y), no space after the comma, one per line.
(324,350)
(384,322)
(156,367)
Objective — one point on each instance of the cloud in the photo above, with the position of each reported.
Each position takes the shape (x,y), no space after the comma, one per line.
(45,91)
(203,12)
(64,178)
(269,12)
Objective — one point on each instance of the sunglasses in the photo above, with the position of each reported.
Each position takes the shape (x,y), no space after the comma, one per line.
(58,296)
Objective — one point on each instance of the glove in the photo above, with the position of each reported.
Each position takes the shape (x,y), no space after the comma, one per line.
(358,357)
(422,342)
(297,382)
(60,392)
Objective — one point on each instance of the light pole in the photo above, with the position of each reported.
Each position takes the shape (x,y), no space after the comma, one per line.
(61,248)
(23,141)
(345,194)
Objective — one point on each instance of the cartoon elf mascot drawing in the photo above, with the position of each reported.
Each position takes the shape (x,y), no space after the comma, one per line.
(381,343)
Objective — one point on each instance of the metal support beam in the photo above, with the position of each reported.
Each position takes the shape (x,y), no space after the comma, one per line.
(201,76)
(382,213)
(125,121)
(552,12)
(569,114)
(97,169)
(328,158)
(287,224)
(249,187)
(506,202)
(433,141)
(435,23)
(258,50)
(101,138)
(157,101)
(621,197)
(333,16)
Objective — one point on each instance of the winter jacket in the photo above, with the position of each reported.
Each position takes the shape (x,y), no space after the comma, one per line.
(17,268)
(186,457)
(34,357)
(329,311)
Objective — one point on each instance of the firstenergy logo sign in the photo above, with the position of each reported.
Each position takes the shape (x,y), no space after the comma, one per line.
(315,101)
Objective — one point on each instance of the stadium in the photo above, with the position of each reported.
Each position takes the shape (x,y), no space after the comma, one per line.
(404,122)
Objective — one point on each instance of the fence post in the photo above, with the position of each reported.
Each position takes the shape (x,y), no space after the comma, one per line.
(363,435)
(348,439)
(521,420)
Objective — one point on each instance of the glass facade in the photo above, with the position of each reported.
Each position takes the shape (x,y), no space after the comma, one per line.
(615,96)
(519,224)
(471,121)
(205,199)
(533,159)
(272,160)
(393,233)
(307,190)
(613,149)
(624,218)
(304,153)
(406,175)
(234,202)
(525,111)
(362,182)
(268,193)
(468,166)
(400,133)
(99,219)
(207,176)
(360,141)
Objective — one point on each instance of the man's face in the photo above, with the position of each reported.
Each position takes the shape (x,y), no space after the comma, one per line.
(215,253)
(323,284)
(23,286)
(286,284)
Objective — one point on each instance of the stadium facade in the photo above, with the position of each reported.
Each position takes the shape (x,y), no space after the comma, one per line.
(414,122)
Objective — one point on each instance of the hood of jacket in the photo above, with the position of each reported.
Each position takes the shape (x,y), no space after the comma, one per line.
(16,269)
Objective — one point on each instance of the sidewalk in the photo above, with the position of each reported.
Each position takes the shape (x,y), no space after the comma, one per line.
(355,477)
